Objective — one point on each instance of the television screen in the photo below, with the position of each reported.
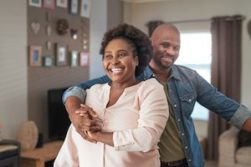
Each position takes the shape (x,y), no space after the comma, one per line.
(58,117)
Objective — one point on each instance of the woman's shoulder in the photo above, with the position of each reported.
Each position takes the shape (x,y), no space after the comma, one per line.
(97,88)
(148,86)
(151,83)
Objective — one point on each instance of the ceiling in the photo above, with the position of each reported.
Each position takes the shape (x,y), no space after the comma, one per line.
(143,1)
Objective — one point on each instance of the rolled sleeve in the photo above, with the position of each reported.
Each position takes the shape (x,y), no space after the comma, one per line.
(240,116)
(122,139)
(74,91)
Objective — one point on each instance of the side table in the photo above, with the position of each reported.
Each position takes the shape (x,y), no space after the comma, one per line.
(38,156)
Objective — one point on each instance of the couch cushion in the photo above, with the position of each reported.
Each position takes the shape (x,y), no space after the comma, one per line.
(243,155)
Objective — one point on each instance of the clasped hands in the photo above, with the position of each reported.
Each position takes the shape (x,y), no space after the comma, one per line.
(87,122)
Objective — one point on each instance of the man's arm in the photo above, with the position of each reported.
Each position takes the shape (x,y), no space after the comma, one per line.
(79,90)
(247,125)
(73,98)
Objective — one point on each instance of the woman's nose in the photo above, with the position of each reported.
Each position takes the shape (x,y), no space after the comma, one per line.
(115,60)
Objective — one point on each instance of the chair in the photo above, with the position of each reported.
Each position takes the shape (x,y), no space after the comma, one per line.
(231,154)
(9,153)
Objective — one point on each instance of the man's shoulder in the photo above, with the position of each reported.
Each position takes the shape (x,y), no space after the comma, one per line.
(183,70)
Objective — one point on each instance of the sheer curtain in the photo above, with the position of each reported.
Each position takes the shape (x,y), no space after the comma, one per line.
(225,71)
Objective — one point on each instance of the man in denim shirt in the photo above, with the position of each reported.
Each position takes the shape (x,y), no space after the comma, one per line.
(179,145)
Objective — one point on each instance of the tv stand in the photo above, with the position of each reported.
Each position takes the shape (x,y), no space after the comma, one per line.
(38,156)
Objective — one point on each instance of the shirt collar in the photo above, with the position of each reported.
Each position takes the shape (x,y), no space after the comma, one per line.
(148,73)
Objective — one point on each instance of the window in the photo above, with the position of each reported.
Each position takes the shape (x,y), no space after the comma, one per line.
(195,53)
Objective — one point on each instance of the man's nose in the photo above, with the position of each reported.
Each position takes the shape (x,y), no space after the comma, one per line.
(171,51)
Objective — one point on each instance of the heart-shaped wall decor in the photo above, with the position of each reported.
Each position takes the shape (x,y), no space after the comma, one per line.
(35,26)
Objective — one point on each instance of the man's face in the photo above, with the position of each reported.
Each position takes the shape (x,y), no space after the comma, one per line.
(166,47)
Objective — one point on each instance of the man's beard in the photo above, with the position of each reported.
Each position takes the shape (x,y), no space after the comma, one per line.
(161,64)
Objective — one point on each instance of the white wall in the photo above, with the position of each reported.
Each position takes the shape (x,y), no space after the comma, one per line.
(139,14)
(13,59)
(98,26)
(13,66)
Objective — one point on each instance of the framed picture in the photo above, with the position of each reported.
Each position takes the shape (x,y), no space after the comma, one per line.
(74,7)
(61,55)
(36,3)
(35,57)
(84,59)
(62,3)
(48,61)
(49,4)
(85,8)
(74,58)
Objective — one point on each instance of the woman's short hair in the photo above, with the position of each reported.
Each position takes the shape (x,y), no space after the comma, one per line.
(136,38)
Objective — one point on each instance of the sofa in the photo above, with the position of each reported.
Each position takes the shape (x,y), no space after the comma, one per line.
(9,153)
(234,148)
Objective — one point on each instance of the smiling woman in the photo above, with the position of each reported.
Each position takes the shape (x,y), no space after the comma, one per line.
(133,113)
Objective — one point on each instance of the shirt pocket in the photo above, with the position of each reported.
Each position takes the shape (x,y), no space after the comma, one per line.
(187,104)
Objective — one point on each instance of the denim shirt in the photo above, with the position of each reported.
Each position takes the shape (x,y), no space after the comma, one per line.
(186,87)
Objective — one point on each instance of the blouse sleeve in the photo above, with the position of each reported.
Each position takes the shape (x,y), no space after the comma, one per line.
(153,115)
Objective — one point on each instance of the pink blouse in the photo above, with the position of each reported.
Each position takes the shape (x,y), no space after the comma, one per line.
(137,119)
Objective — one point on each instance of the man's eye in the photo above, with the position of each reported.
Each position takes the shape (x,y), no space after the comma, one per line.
(165,45)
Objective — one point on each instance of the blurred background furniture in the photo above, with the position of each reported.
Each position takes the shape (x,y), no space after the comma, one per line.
(234,148)
(9,153)
(38,157)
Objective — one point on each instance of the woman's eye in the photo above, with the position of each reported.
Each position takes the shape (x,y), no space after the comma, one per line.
(122,54)
(108,56)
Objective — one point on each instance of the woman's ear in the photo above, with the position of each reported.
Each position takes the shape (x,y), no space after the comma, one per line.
(137,60)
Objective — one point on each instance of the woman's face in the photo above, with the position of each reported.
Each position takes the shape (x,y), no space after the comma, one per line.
(119,61)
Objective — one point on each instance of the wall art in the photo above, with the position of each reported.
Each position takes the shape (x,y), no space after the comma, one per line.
(35,26)
(74,58)
(48,61)
(35,55)
(35,3)
(74,7)
(84,59)
(49,4)
(61,54)
(62,3)
(85,8)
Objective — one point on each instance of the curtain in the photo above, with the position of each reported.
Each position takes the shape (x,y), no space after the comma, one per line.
(226,71)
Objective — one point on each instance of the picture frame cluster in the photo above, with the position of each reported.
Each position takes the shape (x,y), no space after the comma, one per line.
(59,36)
(63,57)
(76,7)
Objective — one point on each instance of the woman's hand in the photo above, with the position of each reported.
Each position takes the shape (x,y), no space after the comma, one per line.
(86,120)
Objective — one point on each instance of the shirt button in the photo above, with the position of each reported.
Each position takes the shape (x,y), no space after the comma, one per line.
(175,105)
(189,160)
(190,100)
(182,134)
(186,147)
(178,120)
